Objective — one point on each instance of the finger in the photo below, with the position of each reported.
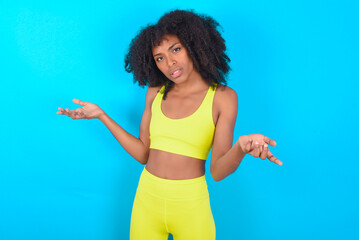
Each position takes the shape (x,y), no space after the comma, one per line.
(260,150)
(77,114)
(69,113)
(255,151)
(264,153)
(270,141)
(63,111)
(79,102)
(74,114)
(252,145)
(274,159)
(59,111)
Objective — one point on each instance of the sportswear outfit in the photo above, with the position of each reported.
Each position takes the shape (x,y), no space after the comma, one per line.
(180,207)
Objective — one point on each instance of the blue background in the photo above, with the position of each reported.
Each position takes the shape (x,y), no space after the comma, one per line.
(294,67)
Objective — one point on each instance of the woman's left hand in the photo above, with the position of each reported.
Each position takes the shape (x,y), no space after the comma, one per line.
(257,145)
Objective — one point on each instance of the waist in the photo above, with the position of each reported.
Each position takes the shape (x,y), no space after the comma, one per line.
(185,189)
(173,166)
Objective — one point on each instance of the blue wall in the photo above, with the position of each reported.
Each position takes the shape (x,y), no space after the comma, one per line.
(294,67)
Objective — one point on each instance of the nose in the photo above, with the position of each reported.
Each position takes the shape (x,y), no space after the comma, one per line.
(171,61)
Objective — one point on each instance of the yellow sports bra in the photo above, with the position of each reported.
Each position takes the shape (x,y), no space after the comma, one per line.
(191,136)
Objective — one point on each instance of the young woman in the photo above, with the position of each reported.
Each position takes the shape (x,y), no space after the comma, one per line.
(188,110)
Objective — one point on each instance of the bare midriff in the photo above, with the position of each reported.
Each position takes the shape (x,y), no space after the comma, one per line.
(173,166)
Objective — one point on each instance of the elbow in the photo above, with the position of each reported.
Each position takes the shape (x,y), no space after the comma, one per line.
(217,179)
(144,158)
(215,176)
(218,174)
(142,162)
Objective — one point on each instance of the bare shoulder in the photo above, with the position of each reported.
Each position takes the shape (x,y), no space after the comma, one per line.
(226,95)
(151,94)
(153,90)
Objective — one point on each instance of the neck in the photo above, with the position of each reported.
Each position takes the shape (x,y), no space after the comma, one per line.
(194,82)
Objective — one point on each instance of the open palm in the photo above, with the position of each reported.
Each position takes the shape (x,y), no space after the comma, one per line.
(88,111)
(257,146)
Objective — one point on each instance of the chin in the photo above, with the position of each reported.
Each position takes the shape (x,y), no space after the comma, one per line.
(176,80)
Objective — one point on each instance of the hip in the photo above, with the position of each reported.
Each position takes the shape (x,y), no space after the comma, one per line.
(170,189)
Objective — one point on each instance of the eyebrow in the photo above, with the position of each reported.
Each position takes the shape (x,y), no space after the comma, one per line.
(168,48)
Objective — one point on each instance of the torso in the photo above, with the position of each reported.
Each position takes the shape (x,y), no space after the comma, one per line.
(173,166)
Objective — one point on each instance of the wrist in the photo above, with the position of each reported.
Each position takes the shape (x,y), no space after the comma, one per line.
(102,116)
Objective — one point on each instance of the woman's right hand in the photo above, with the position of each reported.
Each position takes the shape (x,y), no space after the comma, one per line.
(88,111)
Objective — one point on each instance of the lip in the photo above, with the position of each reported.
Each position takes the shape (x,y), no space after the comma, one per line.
(176,73)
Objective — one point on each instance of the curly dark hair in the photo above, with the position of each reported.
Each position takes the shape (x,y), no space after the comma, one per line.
(198,33)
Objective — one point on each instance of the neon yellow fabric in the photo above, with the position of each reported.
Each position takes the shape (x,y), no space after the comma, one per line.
(179,207)
(190,136)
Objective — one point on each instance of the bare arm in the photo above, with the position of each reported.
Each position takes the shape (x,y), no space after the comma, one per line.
(138,148)
(225,157)
(134,146)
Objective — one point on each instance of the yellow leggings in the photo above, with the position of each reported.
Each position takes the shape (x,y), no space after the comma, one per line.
(179,207)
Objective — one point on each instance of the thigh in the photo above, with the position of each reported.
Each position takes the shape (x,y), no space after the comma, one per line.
(191,219)
(147,218)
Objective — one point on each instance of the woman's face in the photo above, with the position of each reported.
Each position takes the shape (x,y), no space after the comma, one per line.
(172,59)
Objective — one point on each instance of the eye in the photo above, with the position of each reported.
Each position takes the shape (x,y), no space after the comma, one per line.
(176,49)
(159,59)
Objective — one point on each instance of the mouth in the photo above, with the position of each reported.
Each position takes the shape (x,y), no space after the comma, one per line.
(176,73)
